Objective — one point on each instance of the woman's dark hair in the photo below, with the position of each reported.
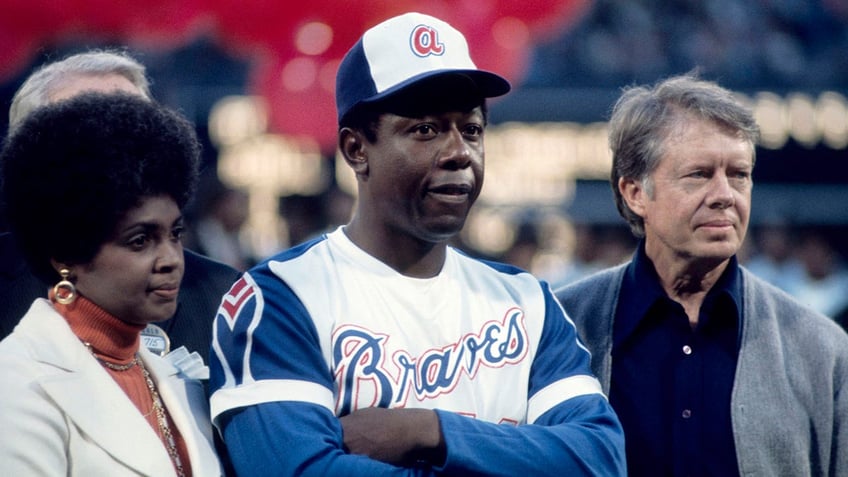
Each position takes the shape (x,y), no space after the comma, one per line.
(73,169)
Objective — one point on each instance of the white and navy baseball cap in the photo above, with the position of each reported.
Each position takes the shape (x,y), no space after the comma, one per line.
(404,51)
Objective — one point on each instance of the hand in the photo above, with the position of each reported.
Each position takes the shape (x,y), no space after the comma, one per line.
(394,436)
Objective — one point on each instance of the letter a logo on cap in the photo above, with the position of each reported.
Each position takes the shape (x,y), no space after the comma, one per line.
(402,51)
(424,41)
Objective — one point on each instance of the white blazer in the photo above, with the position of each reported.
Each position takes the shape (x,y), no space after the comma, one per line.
(62,414)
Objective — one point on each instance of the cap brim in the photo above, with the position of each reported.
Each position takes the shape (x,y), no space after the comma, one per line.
(484,83)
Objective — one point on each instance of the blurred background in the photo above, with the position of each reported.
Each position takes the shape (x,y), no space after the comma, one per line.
(257,79)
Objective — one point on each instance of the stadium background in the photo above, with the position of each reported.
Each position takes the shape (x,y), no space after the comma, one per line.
(256,77)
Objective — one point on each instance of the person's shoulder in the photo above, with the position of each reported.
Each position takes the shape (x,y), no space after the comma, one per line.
(763,291)
(296,259)
(467,260)
(12,348)
(204,281)
(11,257)
(308,259)
(6,240)
(506,274)
(795,320)
(301,249)
(195,260)
(21,352)
(21,368)
(601,278)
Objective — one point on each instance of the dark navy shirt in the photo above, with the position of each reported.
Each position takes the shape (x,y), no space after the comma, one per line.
(671,384)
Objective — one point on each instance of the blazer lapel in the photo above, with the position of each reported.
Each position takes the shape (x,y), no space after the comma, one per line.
(93,400)
(181,397)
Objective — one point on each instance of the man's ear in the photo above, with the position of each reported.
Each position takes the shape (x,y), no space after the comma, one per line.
(353,147)
(634,194)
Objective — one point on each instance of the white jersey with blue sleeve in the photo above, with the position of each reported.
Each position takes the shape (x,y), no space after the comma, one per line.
(326,328)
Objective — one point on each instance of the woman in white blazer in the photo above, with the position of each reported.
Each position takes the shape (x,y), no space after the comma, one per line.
(94,188)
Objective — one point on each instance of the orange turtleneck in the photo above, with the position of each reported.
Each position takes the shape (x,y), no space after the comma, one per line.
(117,342)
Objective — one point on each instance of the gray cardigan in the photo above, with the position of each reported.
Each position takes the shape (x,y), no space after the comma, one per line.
(789,405)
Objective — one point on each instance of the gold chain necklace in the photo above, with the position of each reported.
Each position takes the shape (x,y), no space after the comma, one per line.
(118,367)
(162,420)
(108,364)
(158,407)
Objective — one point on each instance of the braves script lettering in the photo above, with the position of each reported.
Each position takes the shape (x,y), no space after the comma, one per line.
(364,378)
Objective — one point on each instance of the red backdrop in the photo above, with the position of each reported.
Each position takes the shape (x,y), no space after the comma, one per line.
(295,47)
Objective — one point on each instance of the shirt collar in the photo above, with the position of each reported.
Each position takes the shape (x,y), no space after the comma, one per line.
(641,289)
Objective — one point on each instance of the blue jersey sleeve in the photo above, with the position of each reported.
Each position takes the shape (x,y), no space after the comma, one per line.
(265,348)
(571,429)
(297,439)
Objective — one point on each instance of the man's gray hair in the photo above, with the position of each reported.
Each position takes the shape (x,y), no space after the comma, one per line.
(35,91)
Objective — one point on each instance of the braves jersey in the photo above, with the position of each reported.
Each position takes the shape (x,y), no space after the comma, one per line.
(327,328)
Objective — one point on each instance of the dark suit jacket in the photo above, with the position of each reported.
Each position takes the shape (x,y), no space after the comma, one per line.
(204,284)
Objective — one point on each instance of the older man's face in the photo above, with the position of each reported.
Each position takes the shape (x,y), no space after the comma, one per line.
(699,205)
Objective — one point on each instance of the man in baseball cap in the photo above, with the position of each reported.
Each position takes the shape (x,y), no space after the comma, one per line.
(379,349)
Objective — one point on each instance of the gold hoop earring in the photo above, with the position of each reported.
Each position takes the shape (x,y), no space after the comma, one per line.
(64,292)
